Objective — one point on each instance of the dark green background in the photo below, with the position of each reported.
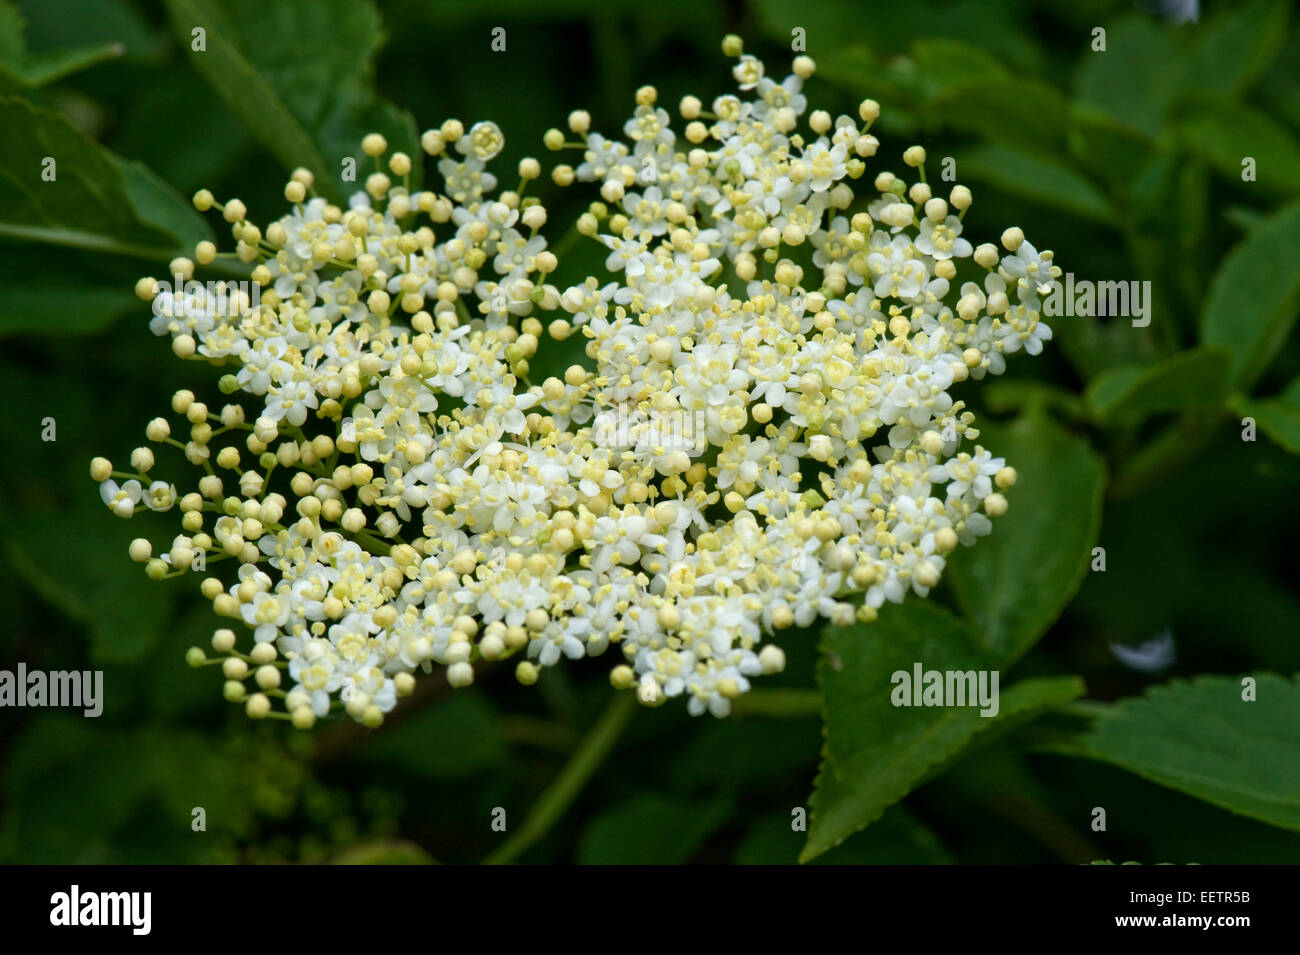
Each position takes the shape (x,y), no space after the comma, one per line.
(1203,547)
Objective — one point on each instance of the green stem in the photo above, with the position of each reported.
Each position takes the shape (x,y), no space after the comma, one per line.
(792,703)
(595,746)
(566,241)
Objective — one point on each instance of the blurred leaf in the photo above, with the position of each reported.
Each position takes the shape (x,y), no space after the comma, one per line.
(20,69)
(861,72)
(1044,180)
(1108,149)
(995,26)
(454,737)
(1236,45)
(12,26)
(937,64)
(1245,218)
(877,752)
(744,754)
(1014,583)
(1157,201)
(1146,64)
(61,311)
(1278,87)
(187,162)
(92,202)
(1023,110)
(650,829)
(1255,296)
(1136,76)
(33,70)
(1092,346)
(247,92)
(160,204)
(1223,133)
(1019,395)
(54,24)
(935,82)
(1279,417)
(1129,393)
(384,852)
(58,759)
(357,113)
(123,611)
(1200,737)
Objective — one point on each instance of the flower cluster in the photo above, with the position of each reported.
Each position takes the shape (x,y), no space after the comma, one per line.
(763,433)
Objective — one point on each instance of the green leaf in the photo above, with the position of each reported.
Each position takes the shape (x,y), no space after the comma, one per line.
(858,70)
(1024,111)
(34,70)
(384,852)
(56,24)
(96,201)
(876,752)
(1236,46)
(12,26)
(1147,65)
(1014,583)
(650,829)
(1135,77)
(743,755)
(124,611)
(356,113)
(20,69)
(1012,586)
(1108,149)
(1188,380)
(1223,133)
(456,738)
(1021,173)
(159,204)
(308,66)
(994,27)
(1279,417)
(47,310)
(946,81)
(248,93)
(937,64)
(1017,395)
(1255,296)
(58,758)
(1201,738)
(1092,347)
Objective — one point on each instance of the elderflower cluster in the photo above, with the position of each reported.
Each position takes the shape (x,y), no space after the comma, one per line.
(763,434)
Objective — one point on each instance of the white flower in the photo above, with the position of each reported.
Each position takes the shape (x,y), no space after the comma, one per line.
(720,435)
(825,165)
(266,613)
(942,240)
(160,496)
(120,500)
